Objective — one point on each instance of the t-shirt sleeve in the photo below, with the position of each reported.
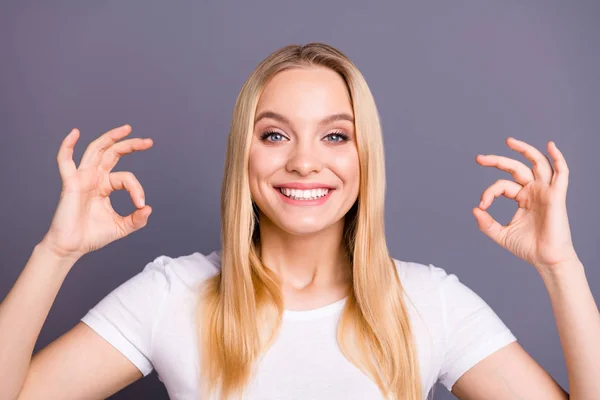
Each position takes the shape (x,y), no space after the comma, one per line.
(472,330)
(126,316)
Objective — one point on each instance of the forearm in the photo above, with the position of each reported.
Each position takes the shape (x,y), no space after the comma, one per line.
(23,313)
(578,323)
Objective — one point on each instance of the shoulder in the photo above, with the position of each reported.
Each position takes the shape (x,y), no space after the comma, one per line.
(437,294)
(417,277)
(158,279)
(188,270)
(430,285)
(422,286)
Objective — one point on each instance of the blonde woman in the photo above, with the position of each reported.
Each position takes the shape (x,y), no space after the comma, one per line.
(303,301)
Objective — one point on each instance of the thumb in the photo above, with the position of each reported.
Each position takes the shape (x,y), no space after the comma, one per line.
(137,219)
(487,224)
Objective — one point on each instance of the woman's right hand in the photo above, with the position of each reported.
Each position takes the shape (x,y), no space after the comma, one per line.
(84,219)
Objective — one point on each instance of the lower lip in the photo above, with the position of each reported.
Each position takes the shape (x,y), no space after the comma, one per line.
(316,202)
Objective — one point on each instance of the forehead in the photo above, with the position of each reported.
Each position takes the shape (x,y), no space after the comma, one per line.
(305,92)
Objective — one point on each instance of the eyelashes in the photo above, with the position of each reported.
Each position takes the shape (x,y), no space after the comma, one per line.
(343,137)
(266,134)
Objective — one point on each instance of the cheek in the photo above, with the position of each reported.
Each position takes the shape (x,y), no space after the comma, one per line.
(254,171)
(263,163)
(347,166)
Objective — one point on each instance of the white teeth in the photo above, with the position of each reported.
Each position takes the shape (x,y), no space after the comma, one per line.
(297,194)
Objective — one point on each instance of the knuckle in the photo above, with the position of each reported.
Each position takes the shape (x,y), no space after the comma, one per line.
(122,228)
(110,152)
(94,143)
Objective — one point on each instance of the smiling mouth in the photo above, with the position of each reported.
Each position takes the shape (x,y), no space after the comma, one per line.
(299,194)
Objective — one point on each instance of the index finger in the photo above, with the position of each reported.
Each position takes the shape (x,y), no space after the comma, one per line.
(542,168)
(93,153)
(118,150)
(521,172)
(64,158)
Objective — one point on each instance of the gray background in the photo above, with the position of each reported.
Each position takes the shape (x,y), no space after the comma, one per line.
(451,79)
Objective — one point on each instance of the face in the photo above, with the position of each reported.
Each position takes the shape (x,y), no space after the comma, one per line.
(303,166)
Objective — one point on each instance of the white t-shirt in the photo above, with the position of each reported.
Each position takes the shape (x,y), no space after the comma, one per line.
(150,319)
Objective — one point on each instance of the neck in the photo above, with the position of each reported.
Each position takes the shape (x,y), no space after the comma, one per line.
(305,262)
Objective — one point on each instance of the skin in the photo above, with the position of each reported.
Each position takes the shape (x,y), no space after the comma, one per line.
(303,244)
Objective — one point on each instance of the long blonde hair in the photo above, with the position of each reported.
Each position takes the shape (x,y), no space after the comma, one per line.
(240,309)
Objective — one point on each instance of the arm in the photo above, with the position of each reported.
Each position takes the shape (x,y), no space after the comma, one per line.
(70,366)
(578,322)
(23,312)
(511,373)
(539,233)
(508,374)
(83,222)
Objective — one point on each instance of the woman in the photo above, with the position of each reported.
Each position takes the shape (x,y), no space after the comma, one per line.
(304,267)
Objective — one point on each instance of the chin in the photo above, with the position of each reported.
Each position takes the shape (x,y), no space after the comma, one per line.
(301,226)
(306,231)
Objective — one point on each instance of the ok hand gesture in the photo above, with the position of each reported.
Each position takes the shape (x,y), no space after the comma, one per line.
(84,219)
(539,231)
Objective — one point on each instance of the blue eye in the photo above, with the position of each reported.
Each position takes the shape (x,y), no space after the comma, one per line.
(338,137)
(268,134)
(341,135)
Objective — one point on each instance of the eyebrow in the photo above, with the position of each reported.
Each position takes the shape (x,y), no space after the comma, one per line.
(327,120)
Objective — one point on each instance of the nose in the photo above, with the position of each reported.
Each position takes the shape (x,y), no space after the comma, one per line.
(304,159)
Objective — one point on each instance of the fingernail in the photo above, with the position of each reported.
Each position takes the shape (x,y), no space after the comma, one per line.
(142,202)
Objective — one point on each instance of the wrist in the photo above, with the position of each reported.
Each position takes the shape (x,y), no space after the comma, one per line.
(56,256)
(561,271)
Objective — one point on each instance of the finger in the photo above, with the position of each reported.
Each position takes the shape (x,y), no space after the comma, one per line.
(64,158)
(112,155)
(561,175)
(136,220)
(542,168)
(488,225)
(93,153)
(127,180)
(501,187)
(519,171)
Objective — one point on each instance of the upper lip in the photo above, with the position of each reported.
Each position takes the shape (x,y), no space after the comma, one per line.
(304,185)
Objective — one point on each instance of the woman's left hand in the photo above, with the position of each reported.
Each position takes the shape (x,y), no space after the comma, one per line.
(539,231)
